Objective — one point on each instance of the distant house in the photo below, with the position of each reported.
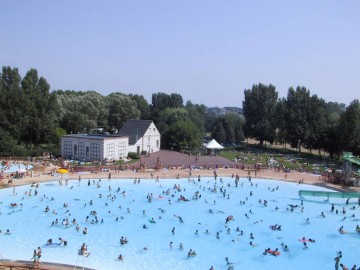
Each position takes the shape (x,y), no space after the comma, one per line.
(94,147)
(143,136)
(135,136)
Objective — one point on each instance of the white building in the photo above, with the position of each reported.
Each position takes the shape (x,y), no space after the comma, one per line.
(94,147)
(135,136)
(143,136)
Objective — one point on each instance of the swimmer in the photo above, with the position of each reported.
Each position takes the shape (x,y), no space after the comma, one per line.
(63,241)
(252,244)
(121,258)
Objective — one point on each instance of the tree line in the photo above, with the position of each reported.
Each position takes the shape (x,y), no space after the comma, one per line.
(301,120)
(31,115)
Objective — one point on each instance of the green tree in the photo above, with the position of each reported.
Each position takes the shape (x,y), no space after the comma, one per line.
(280,121)
(121,108)
(12,103)
(259,109)
(39,109)
(296,106)
(349,128)
(183,135)
(161,101)
(218,132)
(142,105)
(316,124)
(197,114)
(330,142)
(170,116)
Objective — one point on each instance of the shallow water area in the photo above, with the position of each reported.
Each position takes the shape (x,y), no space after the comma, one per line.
(14,167)
(124,208)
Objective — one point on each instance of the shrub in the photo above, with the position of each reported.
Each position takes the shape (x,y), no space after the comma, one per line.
(133,155)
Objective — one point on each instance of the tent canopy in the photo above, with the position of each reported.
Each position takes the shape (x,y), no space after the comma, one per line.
(213,144)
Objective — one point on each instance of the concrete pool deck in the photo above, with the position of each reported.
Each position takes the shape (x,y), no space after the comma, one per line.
(17,265)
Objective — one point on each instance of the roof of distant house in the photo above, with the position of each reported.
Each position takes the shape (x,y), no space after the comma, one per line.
(135,129)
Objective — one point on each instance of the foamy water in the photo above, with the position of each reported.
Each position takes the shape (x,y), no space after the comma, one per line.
(30,226)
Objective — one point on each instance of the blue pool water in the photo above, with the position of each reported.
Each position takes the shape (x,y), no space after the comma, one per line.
(14,167)
(123,215)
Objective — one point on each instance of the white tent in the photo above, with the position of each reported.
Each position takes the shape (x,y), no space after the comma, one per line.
(213,145)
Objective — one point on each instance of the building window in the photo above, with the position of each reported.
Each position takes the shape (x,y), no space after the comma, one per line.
(81,150)
(95,151)
(149,139)
(110,151)
(122,150)
(67,149)
(75,150)
(87,151)
(157,143)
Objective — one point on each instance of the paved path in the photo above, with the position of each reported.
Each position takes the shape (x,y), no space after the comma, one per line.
(176,159)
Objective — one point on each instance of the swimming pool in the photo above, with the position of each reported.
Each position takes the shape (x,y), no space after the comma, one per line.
(204,215)
(12,167)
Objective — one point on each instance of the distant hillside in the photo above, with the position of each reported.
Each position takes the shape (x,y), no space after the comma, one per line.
(225,110)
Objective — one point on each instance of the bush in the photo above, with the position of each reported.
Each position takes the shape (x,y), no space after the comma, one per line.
(133,155)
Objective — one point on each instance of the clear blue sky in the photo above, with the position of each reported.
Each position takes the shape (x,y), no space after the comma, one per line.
(207,51)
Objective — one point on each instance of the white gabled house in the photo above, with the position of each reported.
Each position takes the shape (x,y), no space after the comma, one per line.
(139,136)
(143,136)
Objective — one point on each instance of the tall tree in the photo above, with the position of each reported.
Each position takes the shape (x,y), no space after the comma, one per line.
(12,103)
(197,114)
(39,108)
(259,109)
(296,106)
(121,108)
(316,124)
(330,142)
(142,105)
(183,135)
(161,101)
(350,128)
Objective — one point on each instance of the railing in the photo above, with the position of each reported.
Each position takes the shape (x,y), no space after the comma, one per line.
(329,194)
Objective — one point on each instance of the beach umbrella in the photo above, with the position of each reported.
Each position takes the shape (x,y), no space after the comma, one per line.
(62,171)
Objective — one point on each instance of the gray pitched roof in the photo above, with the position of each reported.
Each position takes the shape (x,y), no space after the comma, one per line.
(135,129)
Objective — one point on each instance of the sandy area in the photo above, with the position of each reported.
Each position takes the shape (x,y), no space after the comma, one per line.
(46,176)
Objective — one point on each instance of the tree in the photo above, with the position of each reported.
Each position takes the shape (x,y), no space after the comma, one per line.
(39,108)
(121,108)
(316,123)
(161,101)
(183,135)
(12,103)
(259,109)
(296,106)
(170,116)
(229,128)
(197,114)
(142,105)
(331,139)
(350,128)
(82,111)
(281,129)
(218,132)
